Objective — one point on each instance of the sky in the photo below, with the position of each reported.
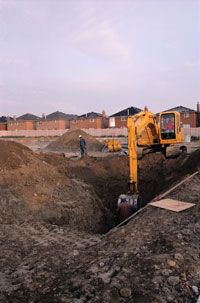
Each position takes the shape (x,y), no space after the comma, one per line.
(79,56)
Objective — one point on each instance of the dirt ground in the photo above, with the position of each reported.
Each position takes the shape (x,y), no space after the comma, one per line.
(38,144)
(55,213)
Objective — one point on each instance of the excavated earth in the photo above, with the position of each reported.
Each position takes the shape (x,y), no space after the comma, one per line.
(69,142)
(55,213)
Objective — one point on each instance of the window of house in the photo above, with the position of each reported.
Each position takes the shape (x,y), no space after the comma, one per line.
(123,118)
(112,122)
(91,120)
(74,121)
(186,115)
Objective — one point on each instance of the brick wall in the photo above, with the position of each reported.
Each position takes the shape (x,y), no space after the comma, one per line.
(119,122)
(87,123)
(52,124)
(189,118)
(21,125)
(3,126)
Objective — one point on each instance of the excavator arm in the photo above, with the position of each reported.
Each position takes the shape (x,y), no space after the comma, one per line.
(145,131)
(133,162)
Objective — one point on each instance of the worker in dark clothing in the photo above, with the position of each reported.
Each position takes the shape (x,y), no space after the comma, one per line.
(124,208)
(83,146)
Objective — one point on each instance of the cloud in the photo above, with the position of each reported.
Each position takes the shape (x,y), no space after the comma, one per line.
(192,63)
(102,42)
(98,36)
(8,60)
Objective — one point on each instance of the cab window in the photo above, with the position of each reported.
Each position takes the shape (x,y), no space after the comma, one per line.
(168,126)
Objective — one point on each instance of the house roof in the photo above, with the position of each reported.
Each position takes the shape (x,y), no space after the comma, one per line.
(3,119)
(28,117)
(127,112)
(180,109)
(59,115)
(90,115)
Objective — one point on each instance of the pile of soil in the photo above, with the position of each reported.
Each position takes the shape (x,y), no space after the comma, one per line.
(69,142)
(13,155)
(38,189)
(51,210)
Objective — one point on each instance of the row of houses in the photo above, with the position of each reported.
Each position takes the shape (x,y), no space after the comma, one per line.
(59,120)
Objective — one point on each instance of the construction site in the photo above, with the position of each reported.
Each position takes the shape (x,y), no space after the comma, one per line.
(61,238)
(99,151)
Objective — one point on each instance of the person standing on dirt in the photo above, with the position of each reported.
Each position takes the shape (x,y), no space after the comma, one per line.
(83,146)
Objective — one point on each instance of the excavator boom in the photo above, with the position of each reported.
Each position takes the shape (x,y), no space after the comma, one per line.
(156,133)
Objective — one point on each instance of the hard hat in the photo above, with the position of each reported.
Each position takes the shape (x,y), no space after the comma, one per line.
(80,136)
(122,197)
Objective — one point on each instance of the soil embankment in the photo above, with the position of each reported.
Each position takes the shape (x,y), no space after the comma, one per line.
(52,210)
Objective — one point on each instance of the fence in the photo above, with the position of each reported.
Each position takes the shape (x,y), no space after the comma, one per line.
(192,131)
(108,132)
(32,133)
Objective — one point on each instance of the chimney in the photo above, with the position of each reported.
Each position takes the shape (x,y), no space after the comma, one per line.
(103,114)
(43,116)
(15,118)
(128,112)
(198,107)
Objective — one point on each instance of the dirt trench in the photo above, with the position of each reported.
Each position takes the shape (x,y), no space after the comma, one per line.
(52,211)
(108,176)
(155,258)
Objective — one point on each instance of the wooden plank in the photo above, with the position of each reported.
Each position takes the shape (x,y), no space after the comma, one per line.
(173,205)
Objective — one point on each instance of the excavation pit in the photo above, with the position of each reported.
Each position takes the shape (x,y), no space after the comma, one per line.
(53,209)
(107,178)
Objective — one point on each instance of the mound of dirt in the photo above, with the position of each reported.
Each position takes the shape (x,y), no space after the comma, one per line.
(69,142)
(36,189)
(154,258)
(13,155)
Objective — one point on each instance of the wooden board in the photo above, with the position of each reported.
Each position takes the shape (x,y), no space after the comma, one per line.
(173,205)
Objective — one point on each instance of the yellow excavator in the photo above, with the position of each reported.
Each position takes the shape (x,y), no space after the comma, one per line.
(155,133)
(112,145)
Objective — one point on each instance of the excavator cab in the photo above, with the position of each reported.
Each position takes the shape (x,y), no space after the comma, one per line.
(170,128)
(167,125)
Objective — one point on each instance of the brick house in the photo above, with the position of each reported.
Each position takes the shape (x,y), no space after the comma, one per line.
(119,119)
(24,122)
(53,121)
(189,117)
(3,123)
(90,120)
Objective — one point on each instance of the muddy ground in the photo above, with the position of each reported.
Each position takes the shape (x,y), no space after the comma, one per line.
(54,216)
